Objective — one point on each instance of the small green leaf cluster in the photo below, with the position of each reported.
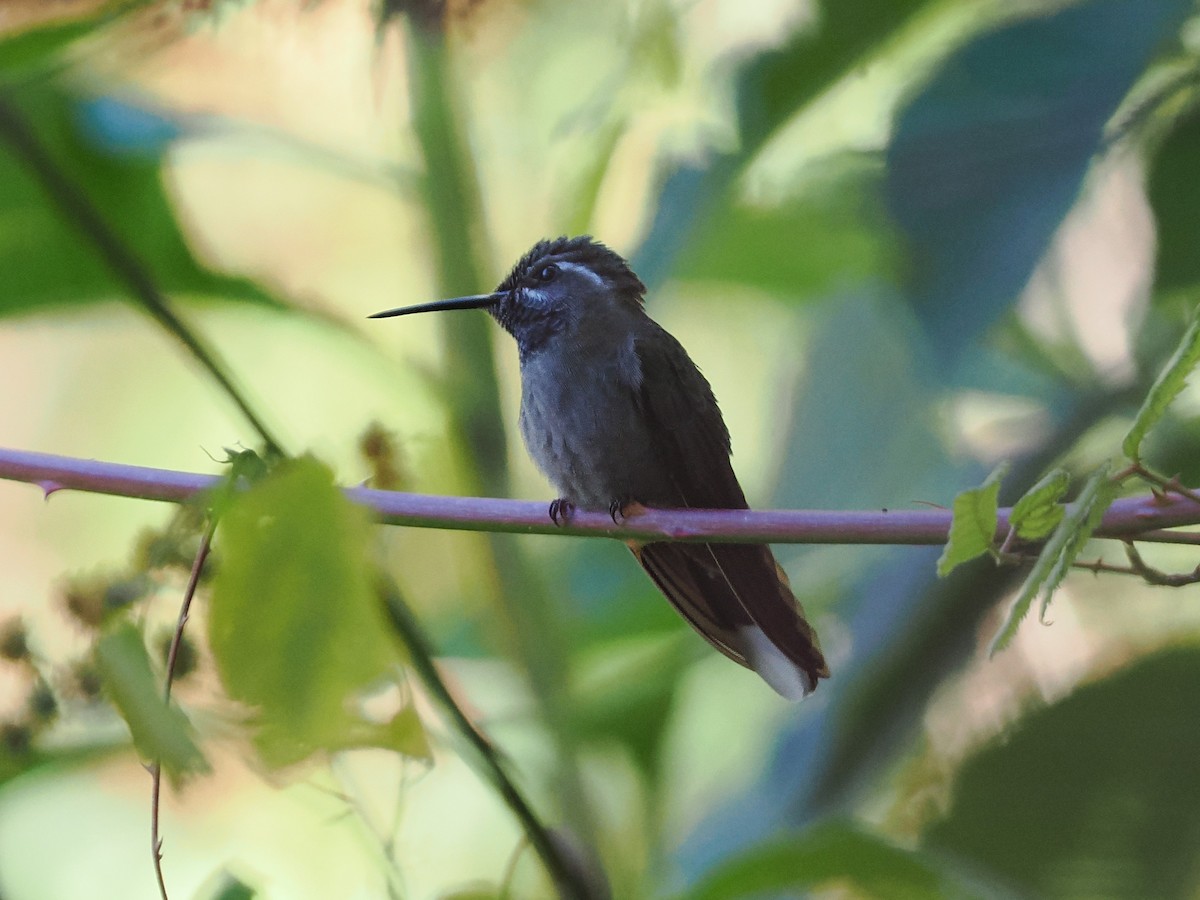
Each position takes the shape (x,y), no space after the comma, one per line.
(1039,515)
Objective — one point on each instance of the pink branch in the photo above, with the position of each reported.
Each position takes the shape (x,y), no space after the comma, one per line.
(1128,517)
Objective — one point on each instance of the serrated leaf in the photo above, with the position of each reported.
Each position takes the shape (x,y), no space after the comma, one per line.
(1059,552)
(1170,382)
(1039,511)
(295,628)
(973,528)
(160,732)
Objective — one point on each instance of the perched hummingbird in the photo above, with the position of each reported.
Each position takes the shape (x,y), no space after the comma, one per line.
(614,412)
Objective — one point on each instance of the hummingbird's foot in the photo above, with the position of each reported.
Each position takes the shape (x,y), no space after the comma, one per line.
(618,509)
(561,511)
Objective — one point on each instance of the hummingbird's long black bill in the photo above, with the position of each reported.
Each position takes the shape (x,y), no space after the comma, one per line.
(475,301)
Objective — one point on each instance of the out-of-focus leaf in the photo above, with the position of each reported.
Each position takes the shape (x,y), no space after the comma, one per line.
(834,232)
(160,732)
(1038,512)
(627,691)
(47,261)
(38,48)
(295,626)
(474,893)
(973,528)
(1173,447)
(403,733)
(988,158)
(122,127)
(1170,382)
(1174,194)
(1059,552)
(775,85)
(859,428)
(771,89)
(226,886)
(1097,795)
(835,854)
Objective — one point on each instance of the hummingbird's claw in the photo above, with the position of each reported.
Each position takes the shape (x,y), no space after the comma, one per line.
(561,511)
(616,510)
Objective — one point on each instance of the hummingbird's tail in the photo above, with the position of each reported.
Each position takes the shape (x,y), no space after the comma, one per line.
(740,601)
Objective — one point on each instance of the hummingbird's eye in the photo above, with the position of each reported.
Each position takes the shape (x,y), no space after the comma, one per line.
(547,273)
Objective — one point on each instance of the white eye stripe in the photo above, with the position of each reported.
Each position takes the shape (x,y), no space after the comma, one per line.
(583,270)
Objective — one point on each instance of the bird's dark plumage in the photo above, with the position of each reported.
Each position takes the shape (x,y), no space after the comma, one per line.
(614,411)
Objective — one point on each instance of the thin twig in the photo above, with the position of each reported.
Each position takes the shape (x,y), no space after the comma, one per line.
(1127,518)
(566,877)
(172,657)
(1157,576)
(74,203)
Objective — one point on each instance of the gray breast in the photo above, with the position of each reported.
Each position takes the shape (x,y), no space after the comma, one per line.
(583,428)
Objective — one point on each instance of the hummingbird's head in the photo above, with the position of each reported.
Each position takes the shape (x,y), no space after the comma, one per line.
(560,283)
(551,289)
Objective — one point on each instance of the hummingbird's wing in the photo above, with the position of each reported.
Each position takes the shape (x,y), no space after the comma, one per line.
(735,595)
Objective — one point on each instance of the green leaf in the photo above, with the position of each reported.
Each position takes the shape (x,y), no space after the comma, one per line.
(989,157)
(1059,552)
(1170,382)
(1039,511)
(1097,795)
(160,732)
(838,223)
(834,852)
(226,886)
(403,733)
(39,48)
(973,528)
(47,259)
(772,88)
(1174,194)
(295,627)
(776,85)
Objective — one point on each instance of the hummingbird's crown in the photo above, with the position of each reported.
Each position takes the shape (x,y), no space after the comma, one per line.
(582,251)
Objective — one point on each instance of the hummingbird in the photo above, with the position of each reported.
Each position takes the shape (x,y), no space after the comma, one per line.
(615,414)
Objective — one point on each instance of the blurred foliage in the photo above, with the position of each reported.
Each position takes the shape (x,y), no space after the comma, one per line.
(891,275)
(295,627)
(989,156)
(126,186)
(160,732)
(1091,796)
(835,854)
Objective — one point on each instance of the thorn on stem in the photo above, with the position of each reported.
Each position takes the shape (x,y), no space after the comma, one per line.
(48,488)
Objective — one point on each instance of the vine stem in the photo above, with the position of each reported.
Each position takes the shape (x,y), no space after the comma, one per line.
(172,658)
(1143,517)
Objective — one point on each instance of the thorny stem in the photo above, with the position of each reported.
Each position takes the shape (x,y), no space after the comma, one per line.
(172,657)
(1171,485)
(1129,518)
(1157,576)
